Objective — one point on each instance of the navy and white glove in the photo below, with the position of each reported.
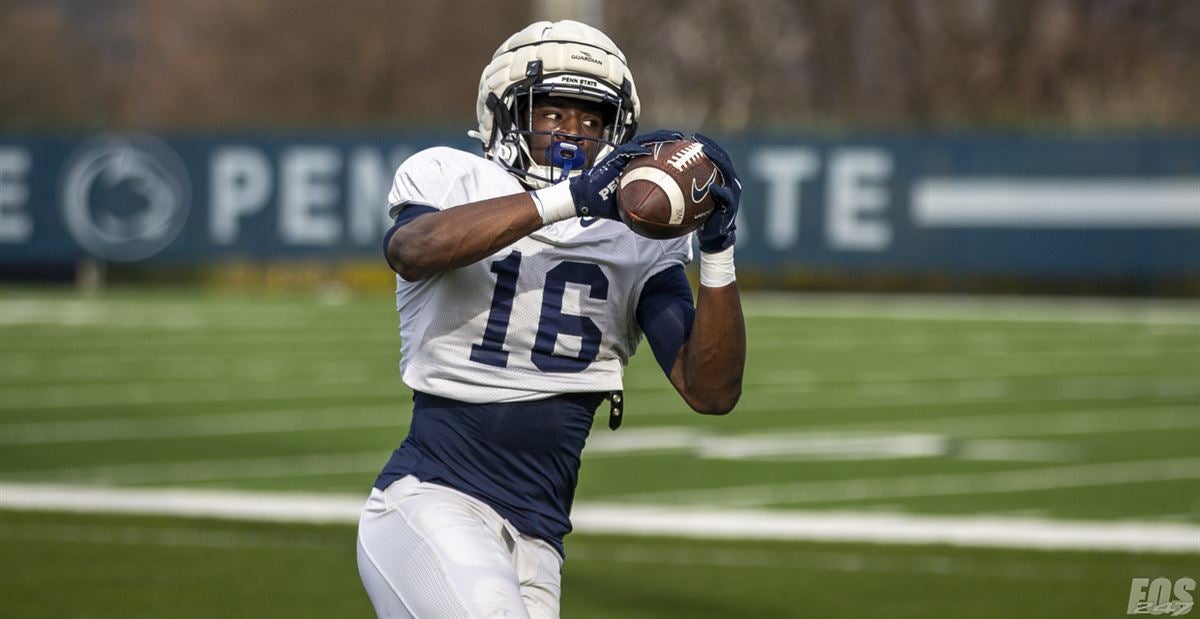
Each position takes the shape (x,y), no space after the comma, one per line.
(718,233)
(593,193)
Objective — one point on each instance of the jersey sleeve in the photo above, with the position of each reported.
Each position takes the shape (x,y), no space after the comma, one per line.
(665,309)
(675,251)
(665,313)
(429,178)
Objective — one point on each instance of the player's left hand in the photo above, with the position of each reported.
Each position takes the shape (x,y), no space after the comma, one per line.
(717,234)
(595,190)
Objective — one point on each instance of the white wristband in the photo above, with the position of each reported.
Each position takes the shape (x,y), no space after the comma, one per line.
(716,269)
(554,203)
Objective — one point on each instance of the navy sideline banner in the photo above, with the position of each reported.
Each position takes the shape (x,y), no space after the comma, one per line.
(987,205)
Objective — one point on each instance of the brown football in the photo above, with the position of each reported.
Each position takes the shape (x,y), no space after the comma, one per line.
(665,194)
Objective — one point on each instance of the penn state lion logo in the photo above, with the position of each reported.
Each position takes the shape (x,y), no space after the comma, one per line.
(125,197)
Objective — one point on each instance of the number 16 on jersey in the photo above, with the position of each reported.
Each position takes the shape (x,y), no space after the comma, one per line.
(553,321)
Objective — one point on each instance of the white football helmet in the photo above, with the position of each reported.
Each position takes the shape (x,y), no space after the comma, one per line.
(562,59)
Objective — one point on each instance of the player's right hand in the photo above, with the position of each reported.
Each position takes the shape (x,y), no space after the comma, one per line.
(595,190)
(718,232)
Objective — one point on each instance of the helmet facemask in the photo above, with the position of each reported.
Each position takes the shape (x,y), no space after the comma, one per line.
(513,126)
(564,59)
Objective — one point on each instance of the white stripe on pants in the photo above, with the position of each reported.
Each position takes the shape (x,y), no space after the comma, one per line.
(428,551)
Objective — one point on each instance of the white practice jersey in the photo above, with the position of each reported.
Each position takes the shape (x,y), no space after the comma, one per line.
(552,313)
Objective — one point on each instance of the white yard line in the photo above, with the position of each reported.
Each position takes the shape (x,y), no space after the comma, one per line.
(885,528)
(222,504)
(213,470)
(1040,423)
(973,308)
(789,445)
(607,551)
(198,373)
(648,439)
(192,392)
(947,484)
(935,376)
(898,390)
(1067,387)
(805,558)
(176,536)
(835,401)
(42,372)
(635,406)
(74,311)
(964,437)
(154,313)
(194,426)
(612,519)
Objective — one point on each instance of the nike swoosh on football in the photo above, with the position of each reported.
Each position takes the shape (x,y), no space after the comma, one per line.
(699,193)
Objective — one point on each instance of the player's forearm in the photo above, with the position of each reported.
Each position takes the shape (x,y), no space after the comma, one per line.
(713,360)
(459,236)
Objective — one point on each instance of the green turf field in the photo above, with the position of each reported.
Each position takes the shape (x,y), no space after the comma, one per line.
(1044,409)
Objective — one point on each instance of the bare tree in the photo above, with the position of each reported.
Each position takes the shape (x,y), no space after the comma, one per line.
(915,63)
(312,62)
(49,75)
(721,65)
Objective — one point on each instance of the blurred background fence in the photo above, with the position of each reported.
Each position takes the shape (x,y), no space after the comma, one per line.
(977,145)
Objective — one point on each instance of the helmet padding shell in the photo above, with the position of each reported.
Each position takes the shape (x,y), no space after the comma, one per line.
(561,59)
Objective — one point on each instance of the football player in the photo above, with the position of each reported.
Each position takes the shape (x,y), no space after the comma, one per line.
(521,298)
